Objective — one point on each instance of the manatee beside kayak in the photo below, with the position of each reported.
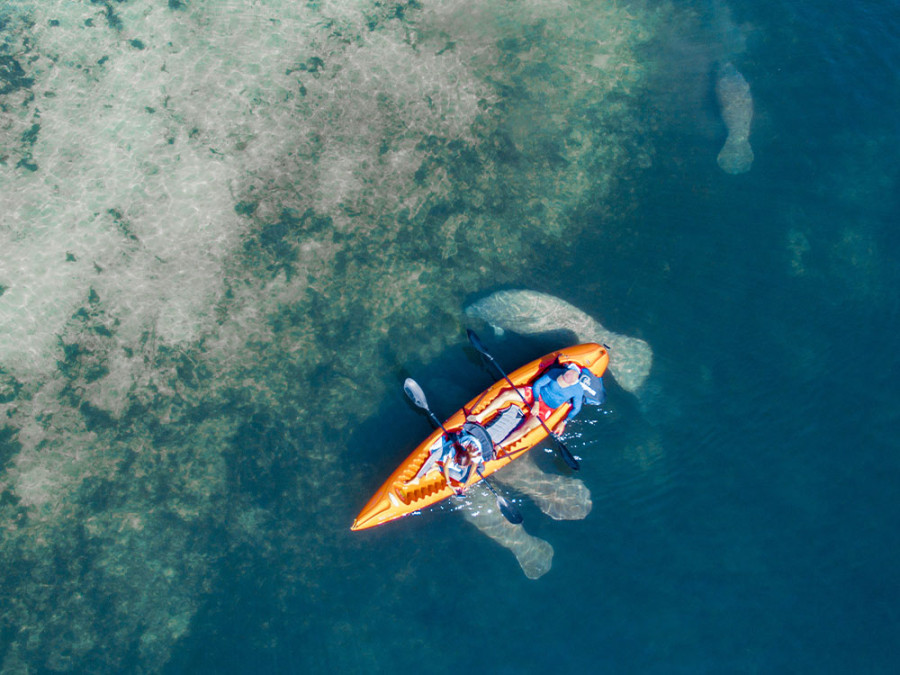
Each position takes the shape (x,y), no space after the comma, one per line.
(531,312)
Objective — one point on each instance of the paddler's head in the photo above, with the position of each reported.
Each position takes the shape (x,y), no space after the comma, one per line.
(474,451)
(471,449)
(570,376)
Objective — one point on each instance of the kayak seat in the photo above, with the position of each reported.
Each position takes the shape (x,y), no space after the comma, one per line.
(480,435)
(504,423)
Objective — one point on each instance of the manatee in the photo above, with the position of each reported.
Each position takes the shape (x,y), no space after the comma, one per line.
(533,553)
(560,497)
(736,105)
(531,312)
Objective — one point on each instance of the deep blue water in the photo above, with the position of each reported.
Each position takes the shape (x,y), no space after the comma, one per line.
(764,537)
(745,511)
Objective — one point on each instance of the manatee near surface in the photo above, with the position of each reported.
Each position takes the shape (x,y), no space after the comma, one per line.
(531,312)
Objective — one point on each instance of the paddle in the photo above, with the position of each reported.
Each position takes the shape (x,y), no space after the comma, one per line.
(511,513)
(563,450)
(417,396)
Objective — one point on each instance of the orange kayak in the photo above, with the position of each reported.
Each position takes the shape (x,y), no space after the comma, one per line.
(413,487)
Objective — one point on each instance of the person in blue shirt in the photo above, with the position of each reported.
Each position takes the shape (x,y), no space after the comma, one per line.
(548,392)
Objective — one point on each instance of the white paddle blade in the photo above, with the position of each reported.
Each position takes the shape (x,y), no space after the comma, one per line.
(415,393)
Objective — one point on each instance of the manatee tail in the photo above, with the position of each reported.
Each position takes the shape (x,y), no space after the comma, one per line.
(535,556)
(630,359)
(736,156)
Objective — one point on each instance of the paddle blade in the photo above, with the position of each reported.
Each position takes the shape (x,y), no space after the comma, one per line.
(510,512)
(415,393)
(567,456)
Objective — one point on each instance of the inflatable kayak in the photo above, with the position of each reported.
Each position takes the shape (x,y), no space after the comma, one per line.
(420,482)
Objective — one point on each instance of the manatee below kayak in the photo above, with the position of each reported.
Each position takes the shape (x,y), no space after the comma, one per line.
(560,497)
(531,312)
(736,105)
(535,555)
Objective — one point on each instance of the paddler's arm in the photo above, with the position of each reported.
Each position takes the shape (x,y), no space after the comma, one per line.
(446,471)
(457,490)
(577,401)
(539,384)
(473,470)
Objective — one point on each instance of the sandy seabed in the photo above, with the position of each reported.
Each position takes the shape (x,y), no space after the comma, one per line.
(203,205)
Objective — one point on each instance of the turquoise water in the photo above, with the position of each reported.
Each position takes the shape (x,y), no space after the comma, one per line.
(229,230)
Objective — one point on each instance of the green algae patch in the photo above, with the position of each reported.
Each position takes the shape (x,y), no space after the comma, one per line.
(341,182)
(12,75)
(245,208)
(9,446)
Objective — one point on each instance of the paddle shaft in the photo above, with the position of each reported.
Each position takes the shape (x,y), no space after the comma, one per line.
(510,512)
(436,422)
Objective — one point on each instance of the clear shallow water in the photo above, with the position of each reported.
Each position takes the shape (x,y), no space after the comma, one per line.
(174,499)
